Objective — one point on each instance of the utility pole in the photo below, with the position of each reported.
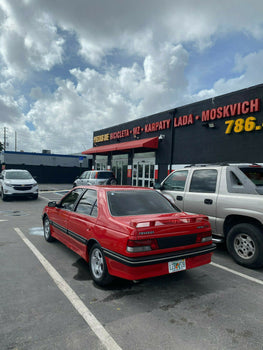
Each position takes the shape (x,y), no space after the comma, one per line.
(15,141)
(5,138)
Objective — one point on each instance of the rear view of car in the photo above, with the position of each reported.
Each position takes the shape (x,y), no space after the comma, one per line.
(128,232)
(95,177)
(16,182)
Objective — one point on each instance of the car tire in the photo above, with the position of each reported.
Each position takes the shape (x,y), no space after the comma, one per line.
(3,196)
(112,182)
(245,245)
(47,232)
(35,196)
(98,266)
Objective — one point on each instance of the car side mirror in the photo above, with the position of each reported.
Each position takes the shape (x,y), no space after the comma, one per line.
(52,204)
(157,186)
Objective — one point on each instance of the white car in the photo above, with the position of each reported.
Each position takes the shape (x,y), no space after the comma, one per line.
(17,182)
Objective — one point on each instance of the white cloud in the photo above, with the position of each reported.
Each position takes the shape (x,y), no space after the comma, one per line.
(147,75)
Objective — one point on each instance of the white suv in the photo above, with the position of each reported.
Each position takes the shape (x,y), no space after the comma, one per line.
(96,177)
(16,182)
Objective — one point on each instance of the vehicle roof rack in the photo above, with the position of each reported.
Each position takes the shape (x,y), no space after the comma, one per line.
(207,164)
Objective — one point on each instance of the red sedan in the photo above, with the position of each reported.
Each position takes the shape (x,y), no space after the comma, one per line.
(128,232)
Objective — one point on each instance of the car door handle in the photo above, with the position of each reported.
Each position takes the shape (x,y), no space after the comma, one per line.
(179,198)
(208,201)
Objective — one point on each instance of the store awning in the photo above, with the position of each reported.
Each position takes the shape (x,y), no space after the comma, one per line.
(142,143)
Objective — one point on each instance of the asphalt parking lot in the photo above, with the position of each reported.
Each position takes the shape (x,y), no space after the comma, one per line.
(48,300)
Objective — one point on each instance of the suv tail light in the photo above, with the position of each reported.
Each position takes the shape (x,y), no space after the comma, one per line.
(204,237)
(96,175)
(142,245)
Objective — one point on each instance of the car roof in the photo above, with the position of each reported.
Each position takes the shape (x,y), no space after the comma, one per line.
(104,171)
(20,170)
(106,188)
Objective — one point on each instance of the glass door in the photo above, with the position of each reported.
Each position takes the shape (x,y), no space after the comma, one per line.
(119,167)
(143,173)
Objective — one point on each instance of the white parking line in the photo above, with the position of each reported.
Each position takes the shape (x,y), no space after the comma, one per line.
(78,304)
(237,273)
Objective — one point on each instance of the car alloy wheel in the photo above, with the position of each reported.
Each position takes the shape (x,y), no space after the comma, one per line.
(245,244)
(98,266)
(47,233)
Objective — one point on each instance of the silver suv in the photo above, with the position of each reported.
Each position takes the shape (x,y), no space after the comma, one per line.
(232,197)
(17,182)
(96,177)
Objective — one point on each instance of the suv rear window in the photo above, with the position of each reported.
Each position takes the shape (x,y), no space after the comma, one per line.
(126,203)
(104,175)
(254,174)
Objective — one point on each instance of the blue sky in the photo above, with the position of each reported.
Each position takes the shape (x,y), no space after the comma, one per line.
(70,68)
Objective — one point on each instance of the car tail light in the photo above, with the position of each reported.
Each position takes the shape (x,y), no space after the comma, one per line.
(142,245)
(204,237)
(96,175)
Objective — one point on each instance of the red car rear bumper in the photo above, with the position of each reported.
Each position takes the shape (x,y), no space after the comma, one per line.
(136,270)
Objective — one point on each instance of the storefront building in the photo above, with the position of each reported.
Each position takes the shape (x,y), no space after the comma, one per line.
(223,129)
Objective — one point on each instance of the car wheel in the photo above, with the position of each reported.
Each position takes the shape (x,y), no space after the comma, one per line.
(98,267)
(3,196)
(245,245)
(47,232)
(35,196)
(112,182)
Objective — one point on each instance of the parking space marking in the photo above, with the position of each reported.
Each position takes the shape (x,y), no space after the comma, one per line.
(78,304)
(46,199)
(237,273)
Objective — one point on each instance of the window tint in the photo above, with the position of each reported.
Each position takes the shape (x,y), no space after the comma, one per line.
(88,204)
(204,181)
(126,203)
(69,201)
(84,175)
(254,174)
(104,175)
(176,181)
(18,175)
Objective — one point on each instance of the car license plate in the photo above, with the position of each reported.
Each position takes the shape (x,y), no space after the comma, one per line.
(178,265)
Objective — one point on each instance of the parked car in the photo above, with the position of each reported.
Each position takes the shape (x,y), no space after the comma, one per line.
(129,232)
(17,182)
(232,197)
(96,177)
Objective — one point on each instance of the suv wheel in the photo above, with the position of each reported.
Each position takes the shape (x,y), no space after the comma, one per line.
(3,196)
(245,245)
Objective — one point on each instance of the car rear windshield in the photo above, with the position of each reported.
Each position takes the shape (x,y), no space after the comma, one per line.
(128,203)
(254,174)
(104,175)
(18,175)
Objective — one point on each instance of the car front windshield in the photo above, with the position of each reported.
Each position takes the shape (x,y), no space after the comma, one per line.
(18,175)
(129,203)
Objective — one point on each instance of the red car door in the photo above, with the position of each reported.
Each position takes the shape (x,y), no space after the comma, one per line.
(62,215)
(81,222)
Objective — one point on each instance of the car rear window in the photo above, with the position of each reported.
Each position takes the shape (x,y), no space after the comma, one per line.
(104,175)
(126,203)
